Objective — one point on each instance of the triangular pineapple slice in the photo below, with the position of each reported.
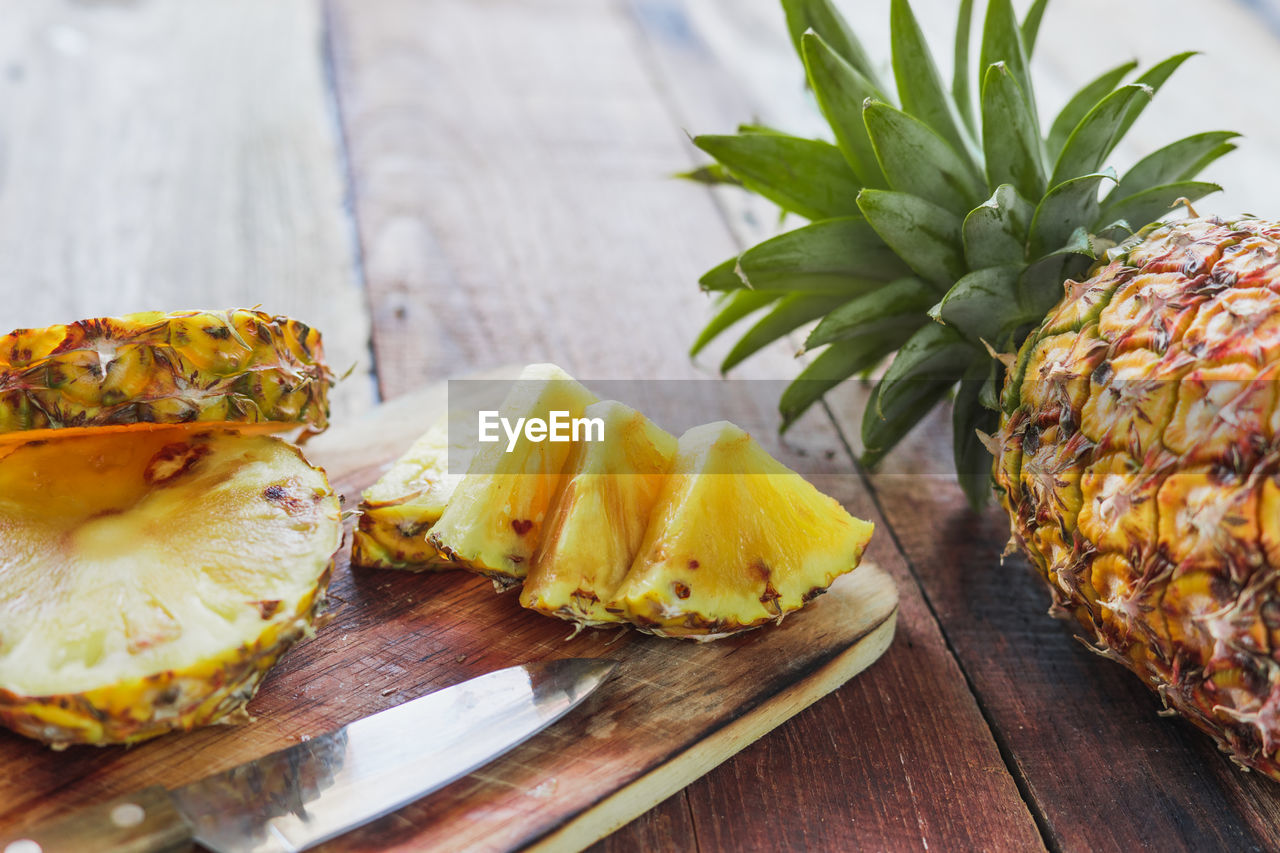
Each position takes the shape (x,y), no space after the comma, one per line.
(397,512)
(600,516)
(736,540)
(148,580)
(495,519)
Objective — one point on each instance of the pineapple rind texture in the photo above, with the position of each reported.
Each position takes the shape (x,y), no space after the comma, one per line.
(126,614)
(599,517)
(736,540)
(239,366)
(1139,470)
(398,511)
(497,515)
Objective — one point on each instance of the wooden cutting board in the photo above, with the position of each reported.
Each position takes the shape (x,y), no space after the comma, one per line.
(673,711)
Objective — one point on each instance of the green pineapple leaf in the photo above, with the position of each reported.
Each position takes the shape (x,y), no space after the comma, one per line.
(968,416)
(1093,138)
(712,174)
(995,232)
(821,17)
(834,255)
(961,85)
(1154,78)
(923,241)
(902,143)
(1002,42)
(1031,25)
(1068,206)
(901,302)
(1010,139)
(934,353)
(978,304)
(924,235)
(790,313)
(1180,161)
(834,365)
(722,277)
(1155,202)
(804,176)
(882,433)
(841,91)
(734,306)
(1041,282)
(1080,104)
(989,396)
(919,84)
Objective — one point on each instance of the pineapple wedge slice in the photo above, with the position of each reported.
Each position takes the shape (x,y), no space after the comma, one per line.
(215,367)
(150,578)
(495,519)
(397,512)
(736,540)
(600,516)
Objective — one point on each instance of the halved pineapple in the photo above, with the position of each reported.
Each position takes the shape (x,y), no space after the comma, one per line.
(397,511)
(235,367)
(736,540)
(150,578)
(600,516)
(496,516)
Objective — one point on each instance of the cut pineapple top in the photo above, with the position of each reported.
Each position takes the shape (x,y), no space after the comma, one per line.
(736,539)
(235,367)
(600,516)
(129,555)
(495,519)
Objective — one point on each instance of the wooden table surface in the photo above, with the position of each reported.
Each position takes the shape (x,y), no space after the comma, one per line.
(443,186)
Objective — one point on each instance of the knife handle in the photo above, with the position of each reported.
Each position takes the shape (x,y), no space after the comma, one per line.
(142,822)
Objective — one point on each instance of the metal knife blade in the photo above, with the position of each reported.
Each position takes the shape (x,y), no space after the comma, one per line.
(300,796)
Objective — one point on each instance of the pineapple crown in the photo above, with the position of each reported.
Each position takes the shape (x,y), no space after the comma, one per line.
(942,223)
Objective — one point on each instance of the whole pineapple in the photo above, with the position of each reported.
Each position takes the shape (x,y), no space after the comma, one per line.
(1133,419)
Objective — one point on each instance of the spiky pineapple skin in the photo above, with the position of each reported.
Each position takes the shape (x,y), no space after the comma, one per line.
(238,366)
(1139,461)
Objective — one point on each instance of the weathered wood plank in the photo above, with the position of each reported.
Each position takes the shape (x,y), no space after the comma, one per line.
(511,169)
(167,156)
(1102,771)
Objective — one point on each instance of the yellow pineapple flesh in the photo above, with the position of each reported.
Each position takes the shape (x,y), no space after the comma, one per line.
(238,367)
(398,511)
(150,578)
(736,540)
(497,515)
(600,516)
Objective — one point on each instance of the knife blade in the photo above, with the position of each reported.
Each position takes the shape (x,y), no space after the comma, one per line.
(316,790)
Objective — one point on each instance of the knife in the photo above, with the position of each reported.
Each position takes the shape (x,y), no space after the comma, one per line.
(308,793)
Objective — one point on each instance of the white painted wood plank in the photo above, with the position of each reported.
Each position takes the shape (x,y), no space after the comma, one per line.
(167,155)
